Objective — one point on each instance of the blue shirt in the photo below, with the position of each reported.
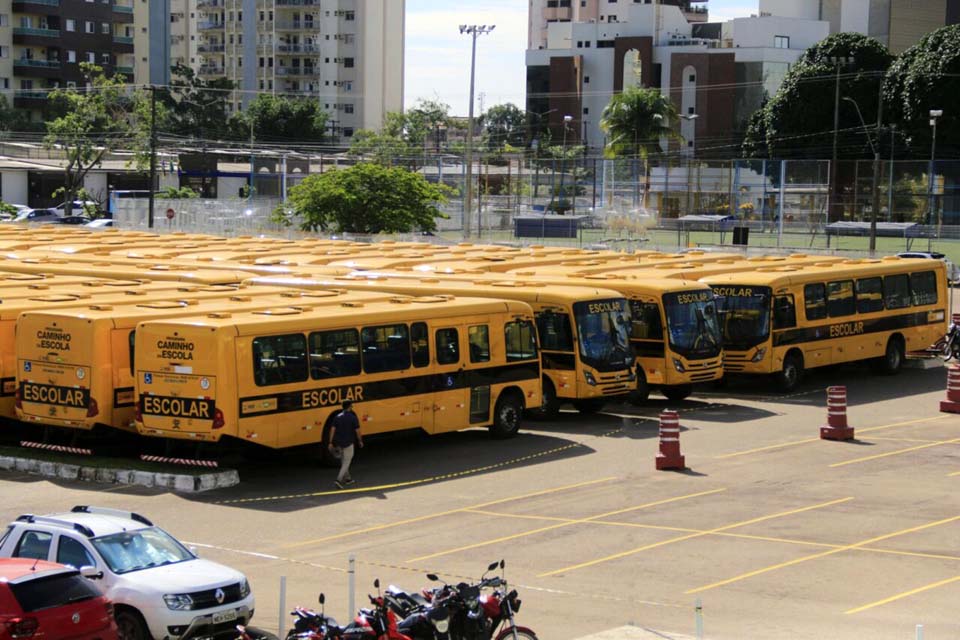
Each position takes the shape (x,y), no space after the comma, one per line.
(345,428)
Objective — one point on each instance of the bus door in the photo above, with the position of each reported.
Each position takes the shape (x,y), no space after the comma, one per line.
(451,397)
(646,337)
(478,353)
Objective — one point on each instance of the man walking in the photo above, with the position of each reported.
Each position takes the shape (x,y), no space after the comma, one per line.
(343,435)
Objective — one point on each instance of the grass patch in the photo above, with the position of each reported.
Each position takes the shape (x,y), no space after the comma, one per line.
(104,462)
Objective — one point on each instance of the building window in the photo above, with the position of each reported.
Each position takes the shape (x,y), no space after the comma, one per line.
(690,110)
(579,44)
(91,57)
(348,15)
(104,58)
(348,63)
(348,108)
(692,77)
(89,27)
(71,24)
(4,20)
(348,132)
(586,79)
(781,42)
(586,111)
(26,84)
(604,44)
(4,83)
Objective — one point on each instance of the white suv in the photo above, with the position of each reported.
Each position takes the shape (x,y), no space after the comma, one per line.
(159,588)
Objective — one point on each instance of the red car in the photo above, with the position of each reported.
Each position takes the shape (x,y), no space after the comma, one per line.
(42,600)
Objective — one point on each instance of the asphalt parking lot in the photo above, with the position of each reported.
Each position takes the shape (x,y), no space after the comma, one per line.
(778,533)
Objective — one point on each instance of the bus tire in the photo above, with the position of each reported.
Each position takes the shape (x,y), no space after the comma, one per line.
(641,394)
(892,360)
(327,459)
(792,373)
(506,415)
(550,405)
(591,405)
(677,392)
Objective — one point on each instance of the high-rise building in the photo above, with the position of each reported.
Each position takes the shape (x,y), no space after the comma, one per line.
(899,24)
(716,74)
(347,54)
(43,42)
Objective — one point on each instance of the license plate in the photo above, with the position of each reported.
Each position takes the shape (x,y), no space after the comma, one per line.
(224,616)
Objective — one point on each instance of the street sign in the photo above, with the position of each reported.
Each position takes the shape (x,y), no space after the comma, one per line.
(170,214)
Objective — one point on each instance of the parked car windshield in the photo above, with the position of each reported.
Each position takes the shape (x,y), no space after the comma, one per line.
(141,549)
(53,591)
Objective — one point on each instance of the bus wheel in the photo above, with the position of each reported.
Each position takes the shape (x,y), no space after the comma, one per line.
(506,415)
(640,395)
(327,459)
(550,406)
(789,378)
(677,392)
(892,360)
(592,405)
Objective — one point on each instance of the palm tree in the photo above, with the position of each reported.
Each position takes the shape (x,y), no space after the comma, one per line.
(635,121)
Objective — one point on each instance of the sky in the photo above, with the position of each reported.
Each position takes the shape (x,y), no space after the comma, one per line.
(438,57)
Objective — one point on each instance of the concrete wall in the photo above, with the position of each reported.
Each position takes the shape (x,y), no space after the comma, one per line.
(805,9)
(855,16)
(911,20)
(96,184)
(381,60)
(152,49)
(13,186)
(760,32)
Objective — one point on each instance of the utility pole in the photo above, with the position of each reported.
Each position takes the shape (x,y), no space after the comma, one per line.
(474,31)
(893,142)
(153,154)
(839,61)
(876,169)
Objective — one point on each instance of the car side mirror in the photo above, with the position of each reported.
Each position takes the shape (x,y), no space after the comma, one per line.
(91,573)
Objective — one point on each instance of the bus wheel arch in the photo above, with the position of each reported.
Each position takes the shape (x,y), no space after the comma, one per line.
(892,360)
(792,371)
(550,406)
(641,393)
(507,413)
(677,392)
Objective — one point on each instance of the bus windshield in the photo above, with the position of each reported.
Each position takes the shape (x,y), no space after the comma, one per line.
(603,327)
(744,314)
(692,324)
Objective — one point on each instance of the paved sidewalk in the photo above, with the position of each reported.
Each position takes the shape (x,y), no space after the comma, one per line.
(635,633)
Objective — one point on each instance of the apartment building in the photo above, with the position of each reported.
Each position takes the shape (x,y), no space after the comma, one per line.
(899,24)
(583,52)
(43,42)
(347,54)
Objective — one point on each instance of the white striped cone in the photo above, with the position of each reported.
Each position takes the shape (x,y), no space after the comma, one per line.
(180,461)
(669,456)
(56,447)
(952,403)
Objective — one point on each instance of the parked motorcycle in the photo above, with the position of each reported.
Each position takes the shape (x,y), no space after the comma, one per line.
(378,622)
(248,633)
(949,345)
(424,616)
(310,625)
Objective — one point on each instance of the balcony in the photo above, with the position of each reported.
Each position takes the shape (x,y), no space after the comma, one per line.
(211,48)
(298,3)
(211,70)
(37,68)
(29,35)
(294,26)
(210,4)
(204,26)
(29,99)
(28,6)
(122,8)
(125,70)
(298,48)
(42,64)
(296,71)
(122,40)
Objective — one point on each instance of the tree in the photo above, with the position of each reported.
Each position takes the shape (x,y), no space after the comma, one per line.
(366,198)
(635,120)
(98,121)
(925,77)
(504,124)
(280,119)
(798,120)
(198,107)
(12,119)
(404,136)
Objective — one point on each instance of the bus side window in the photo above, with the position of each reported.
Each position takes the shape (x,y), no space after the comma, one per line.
(646,323)
(386,348)
(869,295)
(840,299)
(334,354)
(896,291)
(521,341)
(923,286)
(554,331)
(448,346)
(133,340)
(420,343)
(479,336)
(815,301)
(784,312)
(279,359)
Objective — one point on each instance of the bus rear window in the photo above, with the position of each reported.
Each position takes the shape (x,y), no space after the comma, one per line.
(279,359)
(923,286)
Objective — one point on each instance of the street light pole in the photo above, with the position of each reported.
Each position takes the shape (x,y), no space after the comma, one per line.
(876,170)
(934,115)
(839,61)
(563,158)
(474,31)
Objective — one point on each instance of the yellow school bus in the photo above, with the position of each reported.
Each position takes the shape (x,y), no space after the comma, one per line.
(785,320)
(75,365)
(277,377)
(119,269)
(583,331)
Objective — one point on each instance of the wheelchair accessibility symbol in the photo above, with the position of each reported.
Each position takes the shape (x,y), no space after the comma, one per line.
(148,378)
(449,382)
(27,367)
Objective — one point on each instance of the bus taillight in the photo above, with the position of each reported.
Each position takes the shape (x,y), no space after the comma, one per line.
(218,421)
(18,399)
(92,408)
(137,414)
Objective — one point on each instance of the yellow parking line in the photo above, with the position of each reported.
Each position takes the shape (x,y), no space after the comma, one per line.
(698,534)
(566,524)
(905,594)
(895,453)
(955,473)
(883,439)
(809,440)
(823,554)
(399,523)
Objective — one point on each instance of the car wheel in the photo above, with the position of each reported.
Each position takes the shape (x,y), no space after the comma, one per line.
(130,626)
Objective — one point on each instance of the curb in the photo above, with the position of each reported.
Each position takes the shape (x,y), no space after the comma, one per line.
(182,483)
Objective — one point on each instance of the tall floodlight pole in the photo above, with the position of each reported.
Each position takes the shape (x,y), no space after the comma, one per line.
(934,115)
(839,61)
(474,31)
(876,173)
(563,159)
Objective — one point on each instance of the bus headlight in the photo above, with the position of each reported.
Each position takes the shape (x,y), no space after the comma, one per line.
(758,356)
(590,379)
(679,366)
